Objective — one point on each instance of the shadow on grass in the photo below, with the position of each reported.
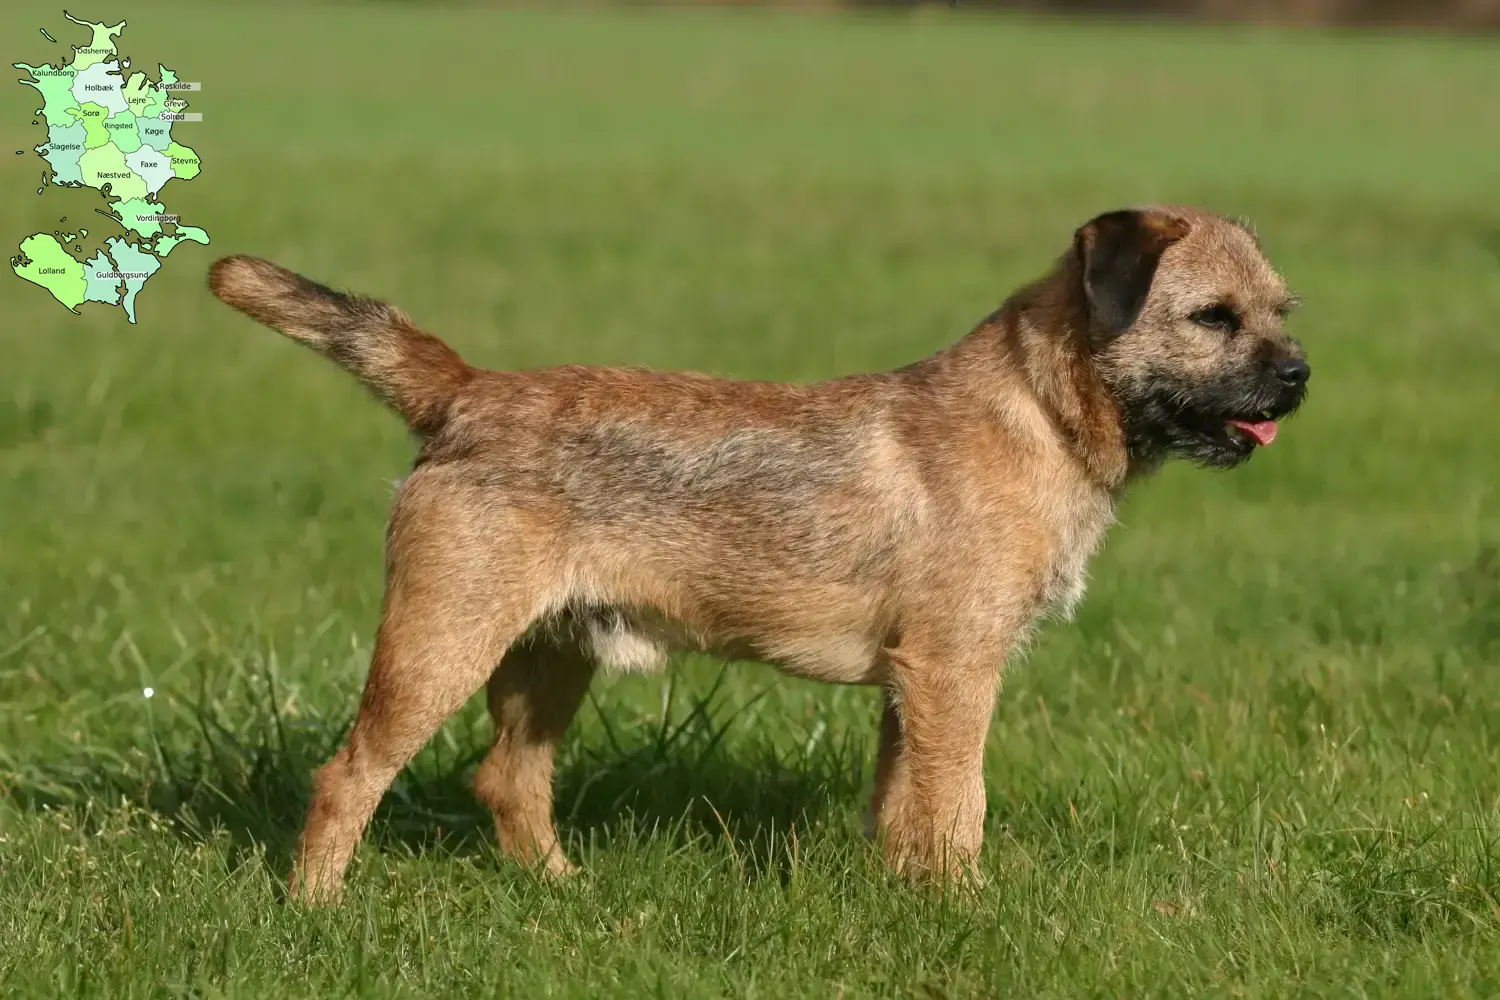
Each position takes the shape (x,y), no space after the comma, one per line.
(700,772)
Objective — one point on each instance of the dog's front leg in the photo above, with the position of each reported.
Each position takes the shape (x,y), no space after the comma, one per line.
(928,806)
(887,760)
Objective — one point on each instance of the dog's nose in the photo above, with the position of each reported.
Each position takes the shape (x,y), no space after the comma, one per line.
(1292,371)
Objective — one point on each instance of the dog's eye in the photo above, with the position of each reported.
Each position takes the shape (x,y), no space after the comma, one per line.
(1217,318)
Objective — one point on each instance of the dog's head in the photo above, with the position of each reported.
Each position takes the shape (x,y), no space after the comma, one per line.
(1185,324)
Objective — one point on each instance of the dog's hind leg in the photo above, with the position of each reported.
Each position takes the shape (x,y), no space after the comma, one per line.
(532,697)
(452,607)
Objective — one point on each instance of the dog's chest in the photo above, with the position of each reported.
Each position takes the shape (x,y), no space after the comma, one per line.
(1076,536)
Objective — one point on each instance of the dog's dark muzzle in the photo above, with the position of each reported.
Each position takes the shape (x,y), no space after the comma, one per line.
(1291,375)
(1286,382)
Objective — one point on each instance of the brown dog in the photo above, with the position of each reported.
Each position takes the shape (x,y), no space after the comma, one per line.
(902,529)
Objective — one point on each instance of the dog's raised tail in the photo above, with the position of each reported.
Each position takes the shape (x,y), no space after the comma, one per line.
(413,371)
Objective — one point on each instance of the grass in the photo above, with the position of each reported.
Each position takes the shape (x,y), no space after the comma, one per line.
(1262,762)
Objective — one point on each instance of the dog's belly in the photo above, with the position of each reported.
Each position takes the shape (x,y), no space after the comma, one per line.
(640,642)
(840,658)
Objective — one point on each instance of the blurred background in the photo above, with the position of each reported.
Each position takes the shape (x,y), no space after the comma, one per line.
(1453,14)
(1261,760)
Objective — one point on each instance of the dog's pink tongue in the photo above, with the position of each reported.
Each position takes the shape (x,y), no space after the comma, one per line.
(1263,431)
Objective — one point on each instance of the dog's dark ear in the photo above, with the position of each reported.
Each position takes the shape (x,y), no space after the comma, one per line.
(1119,252)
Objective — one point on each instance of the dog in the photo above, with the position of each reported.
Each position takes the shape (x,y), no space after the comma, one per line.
(904,529)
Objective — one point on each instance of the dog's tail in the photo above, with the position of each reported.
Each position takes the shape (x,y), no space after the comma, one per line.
(413,371)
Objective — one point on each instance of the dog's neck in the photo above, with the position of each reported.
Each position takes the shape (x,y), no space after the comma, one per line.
(1043,329)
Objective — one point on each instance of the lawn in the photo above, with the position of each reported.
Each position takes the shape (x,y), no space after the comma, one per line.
(1264,760)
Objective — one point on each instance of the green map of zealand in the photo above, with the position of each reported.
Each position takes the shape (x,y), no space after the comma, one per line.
(112,132)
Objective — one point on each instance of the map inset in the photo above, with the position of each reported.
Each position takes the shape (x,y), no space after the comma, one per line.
(112,132)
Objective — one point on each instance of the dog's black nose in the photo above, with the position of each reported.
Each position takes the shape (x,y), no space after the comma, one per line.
(1292,371)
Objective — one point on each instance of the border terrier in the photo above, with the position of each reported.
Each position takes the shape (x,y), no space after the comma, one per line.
(902,529)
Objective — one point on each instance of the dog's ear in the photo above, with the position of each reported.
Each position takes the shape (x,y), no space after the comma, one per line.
(1118,253)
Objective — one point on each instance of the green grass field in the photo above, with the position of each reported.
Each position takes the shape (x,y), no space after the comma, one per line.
(1261,762)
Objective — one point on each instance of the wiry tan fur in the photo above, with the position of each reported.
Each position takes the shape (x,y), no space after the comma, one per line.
(903,529)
